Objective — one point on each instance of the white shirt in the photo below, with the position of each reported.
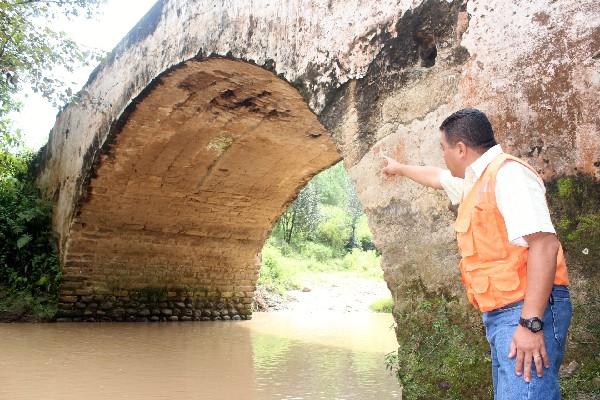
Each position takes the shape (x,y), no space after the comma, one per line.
(520,195)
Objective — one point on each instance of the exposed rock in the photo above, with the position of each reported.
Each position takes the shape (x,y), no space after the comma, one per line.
(569,370)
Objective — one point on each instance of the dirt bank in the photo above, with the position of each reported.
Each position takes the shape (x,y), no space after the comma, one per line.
(325,291)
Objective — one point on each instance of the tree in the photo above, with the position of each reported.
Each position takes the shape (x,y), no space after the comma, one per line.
(331,185)
(355,211)
(32,54)
(303,216)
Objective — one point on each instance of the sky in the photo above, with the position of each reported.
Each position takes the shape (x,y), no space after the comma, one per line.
(103,32)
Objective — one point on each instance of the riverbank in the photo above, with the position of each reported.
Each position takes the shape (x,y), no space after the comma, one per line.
(338,291)
(324,291)
(25,307)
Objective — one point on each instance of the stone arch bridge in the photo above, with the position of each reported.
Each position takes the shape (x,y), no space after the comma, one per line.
(201,126)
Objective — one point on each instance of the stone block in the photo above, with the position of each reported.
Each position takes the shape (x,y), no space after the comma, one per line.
(67,299)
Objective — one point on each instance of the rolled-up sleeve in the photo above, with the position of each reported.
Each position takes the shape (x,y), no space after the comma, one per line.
(452,185)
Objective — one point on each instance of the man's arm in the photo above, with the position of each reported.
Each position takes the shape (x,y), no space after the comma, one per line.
(520,195)
(541,268)
(424,175)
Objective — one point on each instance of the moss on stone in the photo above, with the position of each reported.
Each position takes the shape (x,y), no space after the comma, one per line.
(564,187)
(154,294)
(575,203)
(220,144)
(443,353)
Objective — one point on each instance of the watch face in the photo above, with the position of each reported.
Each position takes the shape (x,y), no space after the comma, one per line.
(536,325)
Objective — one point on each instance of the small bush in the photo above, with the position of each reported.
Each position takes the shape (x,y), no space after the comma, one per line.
(334,231)
(276,271)
(364,236)
(365,262)
(383,305)
(316,251)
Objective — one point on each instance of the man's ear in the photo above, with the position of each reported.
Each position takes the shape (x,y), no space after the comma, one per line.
(462,149)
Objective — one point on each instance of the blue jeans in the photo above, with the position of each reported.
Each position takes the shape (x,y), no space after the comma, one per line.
(500,324)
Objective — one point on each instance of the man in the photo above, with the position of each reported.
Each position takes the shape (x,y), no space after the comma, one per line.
(512,264)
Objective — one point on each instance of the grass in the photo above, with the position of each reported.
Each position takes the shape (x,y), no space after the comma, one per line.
(285,270)
(383,305)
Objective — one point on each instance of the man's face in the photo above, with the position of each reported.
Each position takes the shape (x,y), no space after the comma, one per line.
(452,156)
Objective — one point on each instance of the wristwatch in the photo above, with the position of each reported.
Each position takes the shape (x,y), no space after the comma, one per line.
(533,324)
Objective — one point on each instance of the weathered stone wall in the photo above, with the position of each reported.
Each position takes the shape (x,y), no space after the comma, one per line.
(169,173)
(184,195)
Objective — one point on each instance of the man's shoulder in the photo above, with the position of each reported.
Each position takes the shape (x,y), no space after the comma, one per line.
(514,170)
(514,162)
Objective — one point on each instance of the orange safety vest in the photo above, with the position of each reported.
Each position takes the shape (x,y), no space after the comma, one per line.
(493,270)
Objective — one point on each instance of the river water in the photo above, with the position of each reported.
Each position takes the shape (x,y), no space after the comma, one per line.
(276,355)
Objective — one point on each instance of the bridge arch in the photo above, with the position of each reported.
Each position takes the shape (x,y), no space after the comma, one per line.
(185,192)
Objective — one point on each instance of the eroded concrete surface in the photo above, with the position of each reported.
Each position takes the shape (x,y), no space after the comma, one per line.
(202,125)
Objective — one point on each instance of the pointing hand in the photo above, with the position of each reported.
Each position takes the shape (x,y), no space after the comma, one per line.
(391,167)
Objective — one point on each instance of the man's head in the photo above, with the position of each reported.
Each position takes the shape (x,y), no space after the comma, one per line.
(465,136)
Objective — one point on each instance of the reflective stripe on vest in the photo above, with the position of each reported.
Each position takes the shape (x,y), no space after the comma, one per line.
(493,270)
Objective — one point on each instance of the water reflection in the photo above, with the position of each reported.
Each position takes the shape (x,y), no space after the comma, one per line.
(273,356)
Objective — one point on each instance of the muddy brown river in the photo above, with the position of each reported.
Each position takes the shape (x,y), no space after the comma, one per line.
(276,355)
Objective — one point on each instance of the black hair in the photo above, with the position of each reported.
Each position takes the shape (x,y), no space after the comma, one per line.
(471,127)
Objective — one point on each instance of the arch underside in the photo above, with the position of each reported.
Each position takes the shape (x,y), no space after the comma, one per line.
(184,196)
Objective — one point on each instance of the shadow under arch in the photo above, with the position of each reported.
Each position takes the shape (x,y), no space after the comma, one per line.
(184,193)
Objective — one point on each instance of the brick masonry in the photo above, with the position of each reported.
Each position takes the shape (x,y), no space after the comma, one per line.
(184,196)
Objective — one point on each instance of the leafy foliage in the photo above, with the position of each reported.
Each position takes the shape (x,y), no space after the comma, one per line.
(326,212)
(32,54)
(303,216)
(27,254)
(280,272)
(275,272)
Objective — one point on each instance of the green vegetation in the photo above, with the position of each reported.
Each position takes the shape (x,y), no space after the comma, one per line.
(29,270)
(443,353)
(26,306)
(323,230)
(575,204)
(31,56)
(280,272)
(383,305)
